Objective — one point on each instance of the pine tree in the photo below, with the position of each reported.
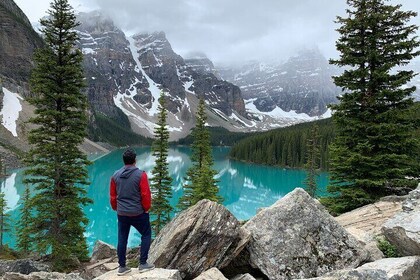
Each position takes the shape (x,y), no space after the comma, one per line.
(371,154)
(201,183)
(4,218)
(56,166)
(161,181)
(312,161)
(24,240)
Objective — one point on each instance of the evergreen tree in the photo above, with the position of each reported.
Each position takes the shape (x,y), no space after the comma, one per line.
(24,241)
(371,154)
(312,161)
(161,181)
(1,167)
(200,179)
(57,168)
(4,218)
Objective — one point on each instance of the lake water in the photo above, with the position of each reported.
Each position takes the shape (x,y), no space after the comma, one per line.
(244,187)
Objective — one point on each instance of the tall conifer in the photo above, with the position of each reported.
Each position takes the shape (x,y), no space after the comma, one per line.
(371,156)
(313,160)
(57,168)
(24,240)
(200,179)
(161,181)
(4,218)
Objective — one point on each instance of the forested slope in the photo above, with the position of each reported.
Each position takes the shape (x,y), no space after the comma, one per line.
(286,147)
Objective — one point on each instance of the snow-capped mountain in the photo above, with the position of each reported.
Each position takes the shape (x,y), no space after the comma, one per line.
(127,74)
(302,86)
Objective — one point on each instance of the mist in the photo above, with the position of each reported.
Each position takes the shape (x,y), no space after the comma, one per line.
(230,31)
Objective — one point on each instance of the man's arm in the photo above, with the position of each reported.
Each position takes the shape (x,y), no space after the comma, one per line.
(113,194)
(146,196)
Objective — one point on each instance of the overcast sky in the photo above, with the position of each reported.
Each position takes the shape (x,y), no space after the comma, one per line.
(227,31)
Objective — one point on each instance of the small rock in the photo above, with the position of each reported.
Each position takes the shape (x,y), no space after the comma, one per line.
(412,201)
(246,276)
(407,268)
(404,233)
(211,274)
(42,276)
(111,266)
(23,266)
(102,251)
(155,274)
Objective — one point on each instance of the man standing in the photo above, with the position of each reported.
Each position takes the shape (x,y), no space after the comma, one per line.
(130,196)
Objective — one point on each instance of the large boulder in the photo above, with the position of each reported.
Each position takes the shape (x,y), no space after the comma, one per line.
(23,266)
(102,251)
(403,230)
(297,238)
(42,276)
(211,274)
(407,268)
(365,223)
(205,235)
(155,274)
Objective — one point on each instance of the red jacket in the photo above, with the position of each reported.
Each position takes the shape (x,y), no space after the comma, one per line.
(143,191)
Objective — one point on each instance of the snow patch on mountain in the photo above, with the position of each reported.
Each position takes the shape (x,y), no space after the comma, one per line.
(153,87)
(277,113)
(123,101)
(10,110)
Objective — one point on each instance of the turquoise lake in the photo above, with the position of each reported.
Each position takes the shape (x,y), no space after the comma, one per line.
(244,187)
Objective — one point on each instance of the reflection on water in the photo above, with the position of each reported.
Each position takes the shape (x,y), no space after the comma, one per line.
(244,187)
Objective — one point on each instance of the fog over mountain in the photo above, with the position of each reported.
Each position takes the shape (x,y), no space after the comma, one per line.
(227,32)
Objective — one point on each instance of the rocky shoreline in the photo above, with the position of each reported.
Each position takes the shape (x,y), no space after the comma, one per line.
(295,238)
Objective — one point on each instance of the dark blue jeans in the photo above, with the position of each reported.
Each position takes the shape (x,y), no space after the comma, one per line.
(142,224)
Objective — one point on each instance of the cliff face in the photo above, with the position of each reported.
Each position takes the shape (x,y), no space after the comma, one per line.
(18,41)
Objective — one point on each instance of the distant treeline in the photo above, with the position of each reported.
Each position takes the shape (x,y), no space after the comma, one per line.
(286,147)
(219,136)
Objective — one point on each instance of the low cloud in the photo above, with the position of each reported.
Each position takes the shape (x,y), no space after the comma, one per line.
(233,31)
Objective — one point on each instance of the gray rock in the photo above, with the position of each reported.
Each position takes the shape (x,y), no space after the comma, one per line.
(407,268)
(403,230)
(155,274)
(368,241)
(246,276)
(297,238)
(42,276)
(413,200)
(24,266)
(204,236)
(354,275)
(102,251)
(211,274)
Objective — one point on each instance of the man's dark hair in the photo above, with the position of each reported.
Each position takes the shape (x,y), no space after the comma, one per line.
(129,156)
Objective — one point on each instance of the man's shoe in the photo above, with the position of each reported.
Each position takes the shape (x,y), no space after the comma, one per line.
(146,267)
(122,270)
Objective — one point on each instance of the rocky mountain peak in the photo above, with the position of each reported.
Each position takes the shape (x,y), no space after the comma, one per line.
(302,85)
(307,61)
(200,63)
(154,50)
